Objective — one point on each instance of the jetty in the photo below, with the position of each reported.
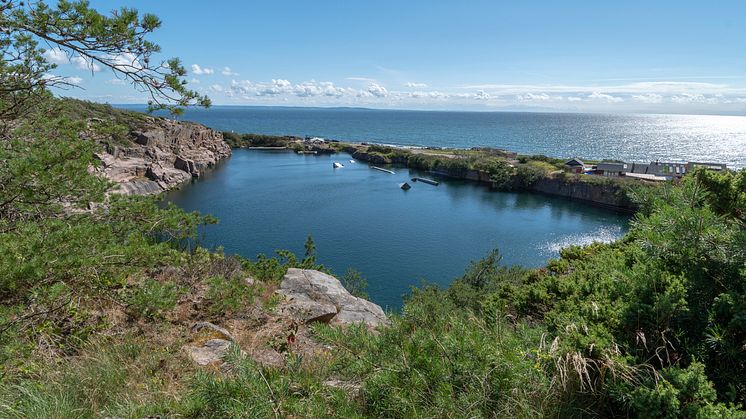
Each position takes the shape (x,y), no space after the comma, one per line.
(382,169)
(425,180)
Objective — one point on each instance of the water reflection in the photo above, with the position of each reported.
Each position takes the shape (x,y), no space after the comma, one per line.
(360,218)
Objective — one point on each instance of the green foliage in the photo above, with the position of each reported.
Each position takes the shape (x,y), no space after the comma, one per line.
(272,269)
(118,41)
(122,377)
(258,140)
(679,393)
(438,361)
(151,299)
(354,283)
(45,167)
(225,296)
(257,391)
(519,178)
(501,175)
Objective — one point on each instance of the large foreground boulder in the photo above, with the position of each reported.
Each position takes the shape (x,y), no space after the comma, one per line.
(315,296)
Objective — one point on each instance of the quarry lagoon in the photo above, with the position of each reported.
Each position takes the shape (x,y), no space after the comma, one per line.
(361,218)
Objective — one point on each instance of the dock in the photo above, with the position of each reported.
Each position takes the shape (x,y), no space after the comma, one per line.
(425,180)
(382,169)
(267,148)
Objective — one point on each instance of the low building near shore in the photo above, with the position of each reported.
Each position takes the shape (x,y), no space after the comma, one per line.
(575,166)
(654,171)
(611,169)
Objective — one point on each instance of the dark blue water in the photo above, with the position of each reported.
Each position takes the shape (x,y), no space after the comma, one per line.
(360,218)
(641,138)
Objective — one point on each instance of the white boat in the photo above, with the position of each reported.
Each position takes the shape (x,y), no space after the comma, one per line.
(337,165)
(352,161)
(381,169)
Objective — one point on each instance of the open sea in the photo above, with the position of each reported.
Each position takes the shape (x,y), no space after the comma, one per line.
(641,138)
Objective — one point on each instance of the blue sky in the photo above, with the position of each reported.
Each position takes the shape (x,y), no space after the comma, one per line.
(587,56)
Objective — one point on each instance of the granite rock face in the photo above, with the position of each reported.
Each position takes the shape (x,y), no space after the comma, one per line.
(163,154)
(312,296)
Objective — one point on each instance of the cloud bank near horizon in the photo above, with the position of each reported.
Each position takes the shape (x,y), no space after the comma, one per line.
(227,88)
(643,96)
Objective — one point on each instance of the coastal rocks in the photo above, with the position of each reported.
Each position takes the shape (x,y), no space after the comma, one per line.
(162,155)
(209,344)
(373,158)
(312,296)
(140,187)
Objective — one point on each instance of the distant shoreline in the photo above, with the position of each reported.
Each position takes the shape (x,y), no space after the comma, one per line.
(142,107)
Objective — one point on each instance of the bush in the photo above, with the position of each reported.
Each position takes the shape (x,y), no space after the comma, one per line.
(152,298)
(226,296)
(681,392)
(354,283)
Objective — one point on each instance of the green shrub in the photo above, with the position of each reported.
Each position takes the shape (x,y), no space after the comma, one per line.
(226,296)
(679,393)
(151,299)
(354,283)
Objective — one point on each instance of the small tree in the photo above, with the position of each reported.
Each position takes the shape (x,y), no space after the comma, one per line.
(117,42)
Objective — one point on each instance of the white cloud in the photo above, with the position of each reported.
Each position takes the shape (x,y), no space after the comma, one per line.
(660,87)
(626,98)
(377,90)
(275,88)
(280,83)
(540,97)
(686,98)
(242,87)
(228,72)
(194,81)
(648,98)
(604,97)
(117,82)
(74,80)
(481,95)
(312,88)
(415,85)
(126,61)
(365,79)
(196,69)
(428,95)
(84,63)
(56,56)
(59,56)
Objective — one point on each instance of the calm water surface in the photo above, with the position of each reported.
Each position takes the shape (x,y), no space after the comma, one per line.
(360,218)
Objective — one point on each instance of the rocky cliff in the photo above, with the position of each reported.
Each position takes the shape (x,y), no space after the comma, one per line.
(161,154)
(609,195)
